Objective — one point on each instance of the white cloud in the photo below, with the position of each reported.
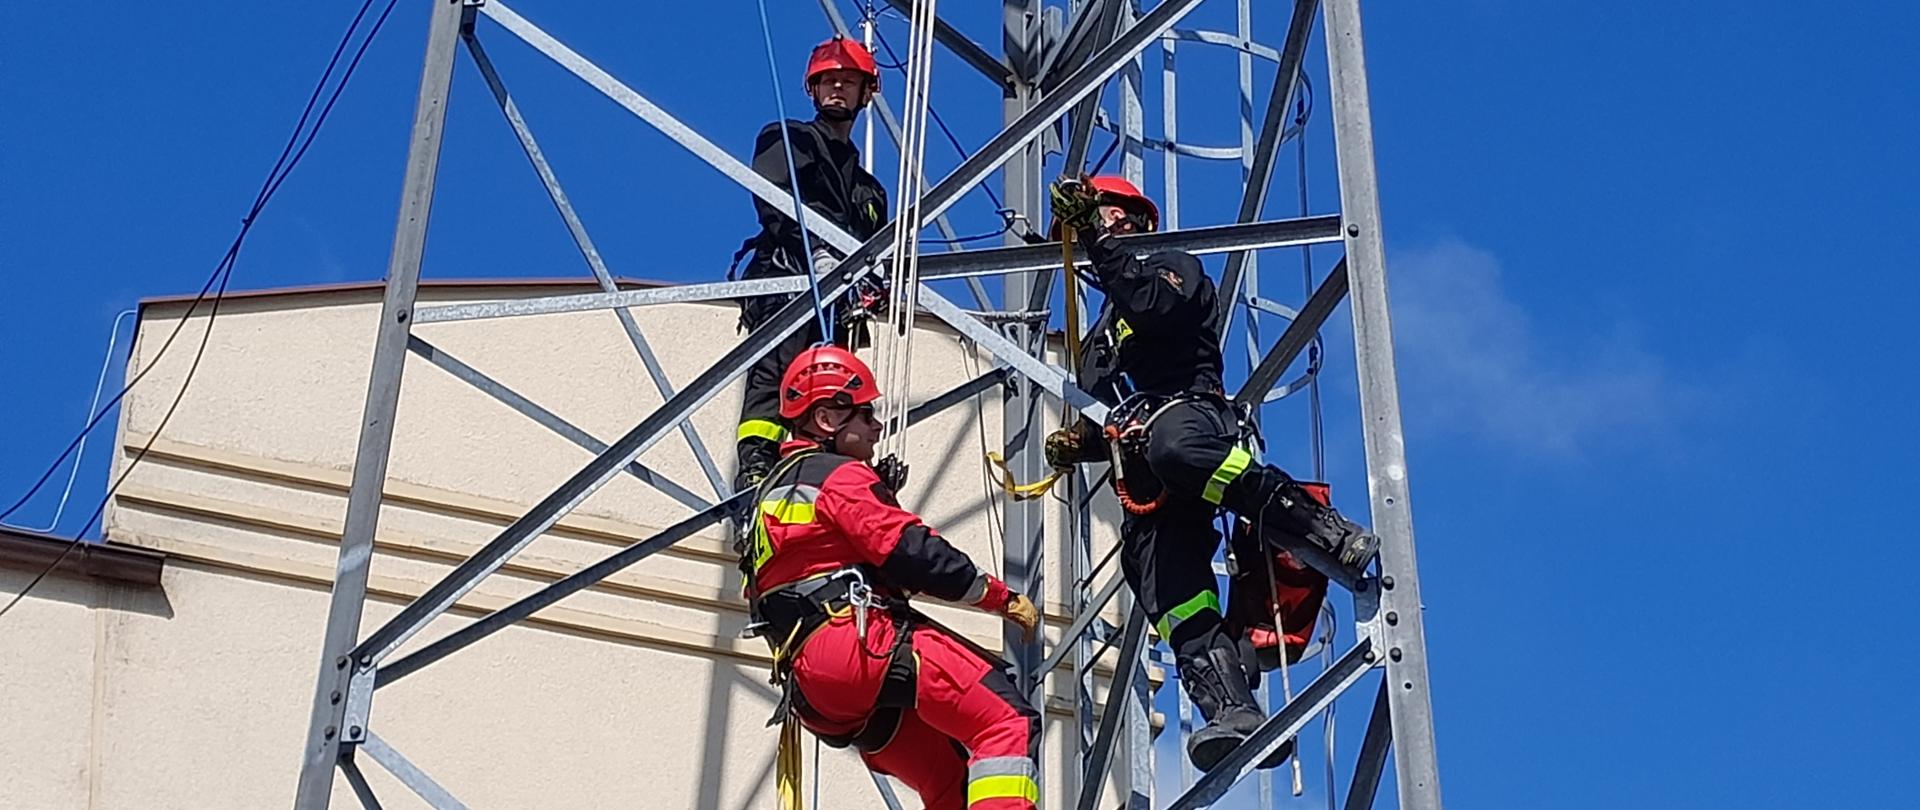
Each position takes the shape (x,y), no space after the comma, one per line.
(1472,362)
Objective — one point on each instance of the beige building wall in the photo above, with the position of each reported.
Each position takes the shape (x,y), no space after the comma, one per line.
(636,693)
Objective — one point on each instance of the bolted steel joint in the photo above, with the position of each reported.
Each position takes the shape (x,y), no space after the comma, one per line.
(1393,617)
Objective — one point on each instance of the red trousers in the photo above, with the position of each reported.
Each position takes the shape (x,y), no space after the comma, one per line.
(968,741)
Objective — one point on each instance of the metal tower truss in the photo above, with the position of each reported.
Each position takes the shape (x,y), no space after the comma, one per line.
(1053,68)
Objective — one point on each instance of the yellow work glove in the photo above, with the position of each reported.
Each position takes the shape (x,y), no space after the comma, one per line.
(1021,611)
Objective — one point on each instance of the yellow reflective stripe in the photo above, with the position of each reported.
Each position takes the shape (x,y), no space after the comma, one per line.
(1237,460)
(1122,330)
(1002,787)
(762,546)
(1204,600)
(761,429)
(788,512)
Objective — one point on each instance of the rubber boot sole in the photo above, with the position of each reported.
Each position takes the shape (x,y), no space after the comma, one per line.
(1212,744)
(1208,752)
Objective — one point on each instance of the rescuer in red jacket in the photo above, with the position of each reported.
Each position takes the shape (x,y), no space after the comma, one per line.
(830,564)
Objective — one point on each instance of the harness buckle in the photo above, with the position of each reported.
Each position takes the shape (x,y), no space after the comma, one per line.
(860,600)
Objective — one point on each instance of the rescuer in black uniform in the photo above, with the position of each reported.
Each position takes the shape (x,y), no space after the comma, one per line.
(1155,356)
(841,79)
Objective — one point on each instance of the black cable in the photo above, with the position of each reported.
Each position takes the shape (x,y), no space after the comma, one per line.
(258,201)
(1102,162)
(962,240)
(290,157)
(937,120)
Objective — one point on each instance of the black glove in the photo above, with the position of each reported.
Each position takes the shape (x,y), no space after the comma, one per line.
(1075,444)
(892,472)
(1075,203)
(868,298)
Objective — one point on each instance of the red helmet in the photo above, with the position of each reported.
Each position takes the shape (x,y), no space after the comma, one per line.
(841,53)
(1115,190)
(825,374)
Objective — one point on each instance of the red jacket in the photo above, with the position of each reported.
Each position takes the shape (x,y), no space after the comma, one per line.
(822,512)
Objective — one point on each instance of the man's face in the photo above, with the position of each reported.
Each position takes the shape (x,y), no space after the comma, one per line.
(840,89)
(1115,219)
(859,430)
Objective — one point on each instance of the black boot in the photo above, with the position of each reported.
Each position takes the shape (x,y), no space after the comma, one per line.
(1251,665)
(757,458)
(1288,514)
(1217,684)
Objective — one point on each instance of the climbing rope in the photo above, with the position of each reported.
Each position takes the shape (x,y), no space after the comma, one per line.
(911,190)
(1043,486)
(793,181)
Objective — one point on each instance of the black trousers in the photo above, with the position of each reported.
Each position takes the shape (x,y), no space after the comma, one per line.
(761,429)
(1167,555)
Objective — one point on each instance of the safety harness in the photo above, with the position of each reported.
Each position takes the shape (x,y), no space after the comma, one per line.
(1129,427)
(865,300)
(788,615)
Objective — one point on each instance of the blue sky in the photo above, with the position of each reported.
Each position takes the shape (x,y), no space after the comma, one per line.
(1650,272)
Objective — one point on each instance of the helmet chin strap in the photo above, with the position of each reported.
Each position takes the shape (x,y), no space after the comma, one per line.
(838,114)
(835,114)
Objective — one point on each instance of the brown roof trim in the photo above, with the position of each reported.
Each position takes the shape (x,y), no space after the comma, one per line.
(425,284)
(33,551)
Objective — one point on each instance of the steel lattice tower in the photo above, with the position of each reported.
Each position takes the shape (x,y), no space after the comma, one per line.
(1054,65)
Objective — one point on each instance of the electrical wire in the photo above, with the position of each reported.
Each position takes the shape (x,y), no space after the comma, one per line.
(290,156)
(971,359)
(80,456)
(246,222)
(940,123)
(1007,218)
(793,177)
(1316,429)
(1112,146)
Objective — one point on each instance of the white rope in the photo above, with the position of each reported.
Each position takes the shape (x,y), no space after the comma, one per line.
(910,185)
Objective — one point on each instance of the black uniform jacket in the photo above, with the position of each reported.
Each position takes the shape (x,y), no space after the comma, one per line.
(1160,327)
(832,184)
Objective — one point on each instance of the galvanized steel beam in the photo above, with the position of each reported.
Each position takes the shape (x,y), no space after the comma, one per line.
(1266,151)
(1283,725)
(410,775)
(933,267)
(969,51)
(1404,634)
(545,418)
(321,751)
(578,230)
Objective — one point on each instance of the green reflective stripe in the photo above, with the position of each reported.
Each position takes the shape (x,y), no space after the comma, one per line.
(1204,600)
(761,429)
(1237,460)
(1002,787)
